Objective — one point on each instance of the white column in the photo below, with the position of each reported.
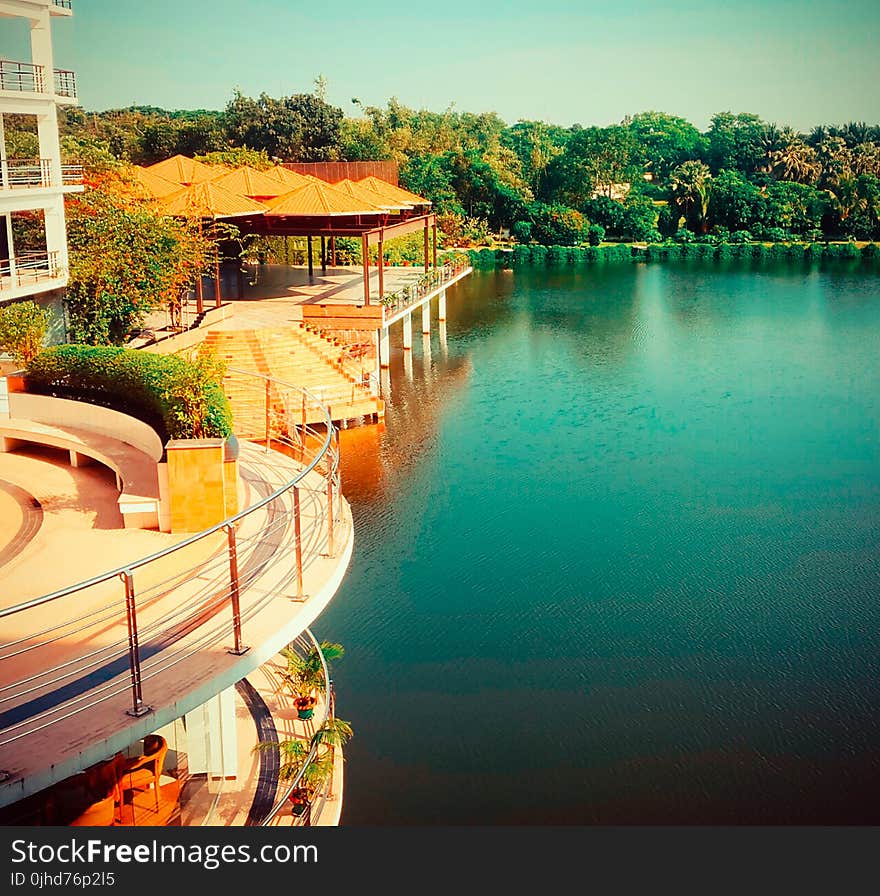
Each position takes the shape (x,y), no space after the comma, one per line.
(41,48)
(408,365)
(441,305)
(211,740)
(407,333)
(426,318)
(426,349)
(384,348)
(11,248)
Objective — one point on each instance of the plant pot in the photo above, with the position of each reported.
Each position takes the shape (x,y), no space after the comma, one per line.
(299,801)
(305,707)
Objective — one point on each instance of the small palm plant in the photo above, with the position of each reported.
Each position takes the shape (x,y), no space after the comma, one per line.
(304,676)
(294,753)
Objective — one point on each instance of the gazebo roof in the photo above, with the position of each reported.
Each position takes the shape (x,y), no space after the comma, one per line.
(248,181)
(362,191)
(208,200)
(391,192)
(293,179)
(154,184)
(184,171)
(319,200)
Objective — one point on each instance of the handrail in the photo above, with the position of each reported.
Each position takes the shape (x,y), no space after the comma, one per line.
(23,76)
(408,295)
(17,173)
(30,267)
(184,608)
(313,751)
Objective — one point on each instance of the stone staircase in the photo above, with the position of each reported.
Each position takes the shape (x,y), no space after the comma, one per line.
(301,357)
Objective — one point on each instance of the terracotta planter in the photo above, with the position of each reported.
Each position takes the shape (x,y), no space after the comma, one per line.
(16,382)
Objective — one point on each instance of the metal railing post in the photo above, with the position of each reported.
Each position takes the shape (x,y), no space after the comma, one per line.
(134,659)
(268,401)
(331,548)
(297,531)
(238,649)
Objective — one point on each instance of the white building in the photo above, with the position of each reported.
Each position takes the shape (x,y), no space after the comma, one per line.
(33,238)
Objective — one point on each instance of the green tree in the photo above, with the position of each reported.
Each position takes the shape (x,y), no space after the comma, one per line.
(557,225)
(666,141)
(297,128)
(689,185)
(735,202)
(23,327)
(735,142)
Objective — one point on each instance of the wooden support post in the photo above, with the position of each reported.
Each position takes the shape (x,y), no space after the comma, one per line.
(323,255)
(434,230)
(200,295)
(426,245)
(381,270)
(309,252)
(365,259)
(333,251)
(217,301)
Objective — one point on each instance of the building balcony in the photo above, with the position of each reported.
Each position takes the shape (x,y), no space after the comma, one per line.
(32,272)
(25,77)
(18,174)
(63,4)
(89,668)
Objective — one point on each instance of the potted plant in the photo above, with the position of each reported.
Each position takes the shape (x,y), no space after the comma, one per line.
(23,327)
(304,676)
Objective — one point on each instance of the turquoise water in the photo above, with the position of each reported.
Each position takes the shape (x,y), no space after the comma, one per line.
(617,557)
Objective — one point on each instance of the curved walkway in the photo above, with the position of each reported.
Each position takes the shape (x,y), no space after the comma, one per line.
(53,730)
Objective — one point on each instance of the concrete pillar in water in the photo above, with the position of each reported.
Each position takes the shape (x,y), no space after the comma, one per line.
(441,305)
(407,333)
(408,365)
(384,348)
(426,317)
(443,345)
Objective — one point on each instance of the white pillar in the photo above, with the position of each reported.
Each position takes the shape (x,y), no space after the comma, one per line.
(41,48)
(407,332)
(10,247)
(426,317)
(441,305)
(211,740)
(443,346)
(384,348)
(426,349)
(408,365)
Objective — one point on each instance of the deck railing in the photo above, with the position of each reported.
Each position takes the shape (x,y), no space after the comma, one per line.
(64,4)
(429,282)
(303,644)
(32,267)
(18,173)
(23,76)
(65,83)
(129,629)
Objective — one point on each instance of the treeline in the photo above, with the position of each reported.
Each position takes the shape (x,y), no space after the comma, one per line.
(645,179)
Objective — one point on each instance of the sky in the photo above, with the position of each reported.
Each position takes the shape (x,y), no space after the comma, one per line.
(799,63)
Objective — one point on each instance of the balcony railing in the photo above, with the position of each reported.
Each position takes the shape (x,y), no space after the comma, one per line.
(17,173)
(65,83)
(30,78)
(64,4)
(22,76)
(33,267)
(134,630)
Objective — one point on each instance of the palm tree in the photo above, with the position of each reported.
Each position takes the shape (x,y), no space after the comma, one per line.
(793,159)
(865,159)
(304,675)
(856,132)
(690,183)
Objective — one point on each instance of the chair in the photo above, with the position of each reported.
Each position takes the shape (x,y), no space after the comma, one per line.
(142,771)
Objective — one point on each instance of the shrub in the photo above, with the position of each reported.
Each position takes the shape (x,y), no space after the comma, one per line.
(23,328)
(739,237)
(520,256)
(775,234)
(522,231)
(181,399)
(595,234)
(871,251)
(557,256)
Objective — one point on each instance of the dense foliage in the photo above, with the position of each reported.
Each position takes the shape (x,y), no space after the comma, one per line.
(641,179)
(180,398)
(23,327)
(126,260)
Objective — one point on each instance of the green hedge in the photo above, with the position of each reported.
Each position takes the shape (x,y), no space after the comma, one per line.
(537,256)
(165,391)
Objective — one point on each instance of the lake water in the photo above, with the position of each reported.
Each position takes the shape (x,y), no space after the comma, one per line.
(617,555)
